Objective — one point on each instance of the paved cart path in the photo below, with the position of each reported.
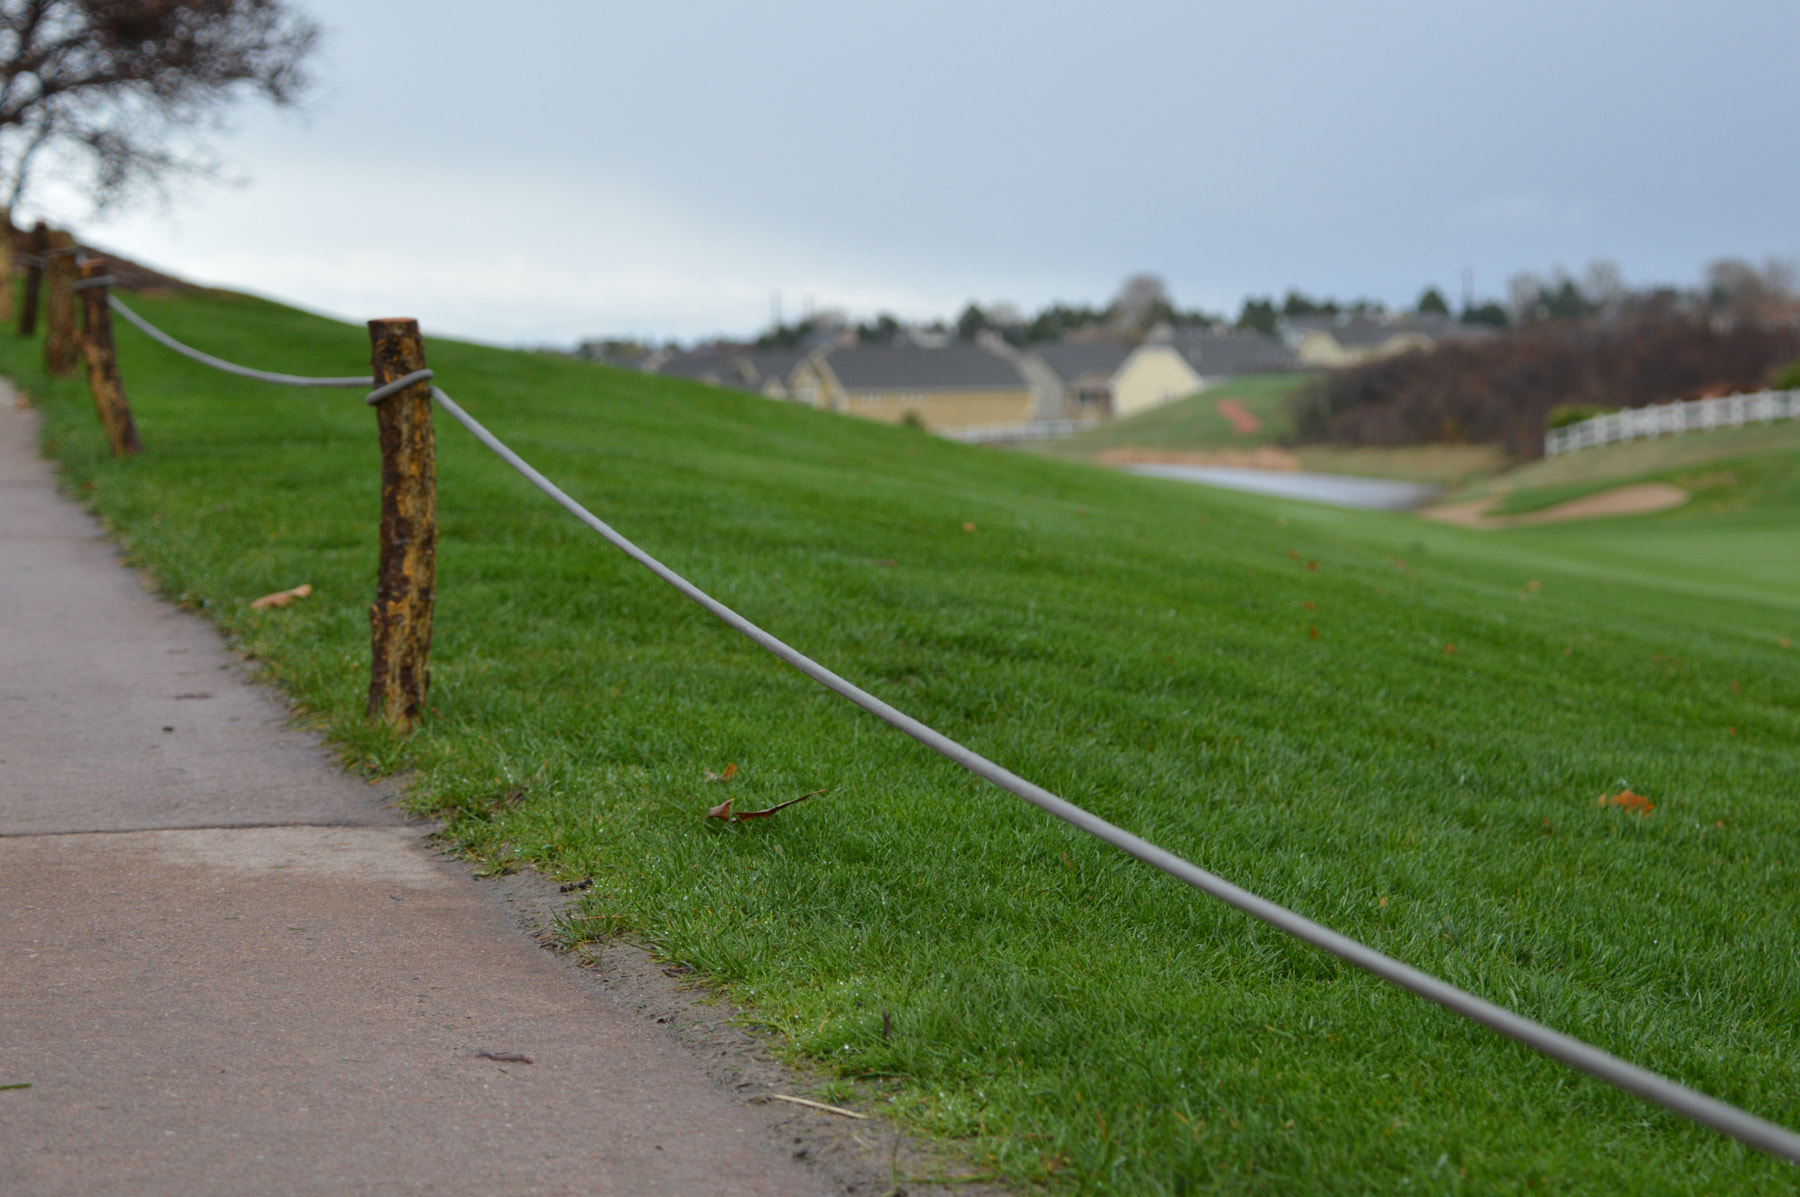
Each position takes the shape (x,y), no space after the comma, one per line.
(226,967)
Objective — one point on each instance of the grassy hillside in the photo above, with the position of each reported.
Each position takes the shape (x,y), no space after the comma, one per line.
(1728,470)
(1195,428)
(1194,424)
(1396,728)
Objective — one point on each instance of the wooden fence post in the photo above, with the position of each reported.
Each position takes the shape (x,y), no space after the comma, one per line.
(7,263)
(400,620)
(62,344)
(34,280)
(103,361)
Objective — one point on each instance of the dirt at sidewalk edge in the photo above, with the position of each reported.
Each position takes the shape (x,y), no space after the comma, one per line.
(860,1158)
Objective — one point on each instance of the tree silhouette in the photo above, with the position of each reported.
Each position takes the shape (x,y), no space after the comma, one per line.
(120,94)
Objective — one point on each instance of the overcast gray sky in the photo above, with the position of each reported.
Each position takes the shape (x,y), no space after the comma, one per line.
(580,169)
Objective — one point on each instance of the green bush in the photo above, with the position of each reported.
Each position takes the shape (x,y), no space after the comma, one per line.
(1788,377)
(1565,414)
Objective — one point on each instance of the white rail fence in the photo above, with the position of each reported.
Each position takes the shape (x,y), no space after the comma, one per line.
(1693,415)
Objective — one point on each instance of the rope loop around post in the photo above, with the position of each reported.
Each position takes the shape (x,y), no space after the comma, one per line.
(399,384)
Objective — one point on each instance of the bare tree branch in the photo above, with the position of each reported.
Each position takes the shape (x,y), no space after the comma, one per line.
(121,91)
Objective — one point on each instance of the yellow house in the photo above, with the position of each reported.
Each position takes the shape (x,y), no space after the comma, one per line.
(955,387)
(1113,378)
(1347,339)
(1152,376)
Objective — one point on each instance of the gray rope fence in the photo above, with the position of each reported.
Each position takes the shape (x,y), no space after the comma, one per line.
(218,363)
(1671,1095)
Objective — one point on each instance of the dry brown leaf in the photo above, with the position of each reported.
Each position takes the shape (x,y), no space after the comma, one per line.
(1636,803)
(724,811)
(730,772)
(281,598)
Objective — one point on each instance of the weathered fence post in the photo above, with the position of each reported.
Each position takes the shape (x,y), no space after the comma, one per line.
(400,620)
(34,279)
(103,361)
(62,344)
(7,234)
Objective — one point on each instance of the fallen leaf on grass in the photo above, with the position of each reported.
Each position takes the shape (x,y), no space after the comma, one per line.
(281,598)
(724,811)
(503,1057)
(1636,803)
(730,772)
(1449,650)
(968,525)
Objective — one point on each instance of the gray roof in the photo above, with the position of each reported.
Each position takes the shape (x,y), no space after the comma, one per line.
(1362,331)
(1350,331)
(1218,354)
(1077,359)
(958,366)
(741,369)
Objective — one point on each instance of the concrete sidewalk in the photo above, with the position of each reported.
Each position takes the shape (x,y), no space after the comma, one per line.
(226,967)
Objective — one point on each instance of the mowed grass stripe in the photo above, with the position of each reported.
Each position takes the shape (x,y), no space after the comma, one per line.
(1143,648)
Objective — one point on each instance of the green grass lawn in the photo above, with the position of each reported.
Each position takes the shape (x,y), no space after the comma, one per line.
(1399,729)
(1194,428)
(1193,424)
(1755,469)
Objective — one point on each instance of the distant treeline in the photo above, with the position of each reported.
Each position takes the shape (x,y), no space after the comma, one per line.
(1503,389)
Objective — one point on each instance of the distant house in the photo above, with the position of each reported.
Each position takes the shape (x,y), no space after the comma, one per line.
(1218,354)
(1351,338)
(1115,378)
(763,371)
(944,388)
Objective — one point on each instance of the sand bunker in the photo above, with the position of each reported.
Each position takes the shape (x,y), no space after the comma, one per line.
(1638,499)
(1242,422)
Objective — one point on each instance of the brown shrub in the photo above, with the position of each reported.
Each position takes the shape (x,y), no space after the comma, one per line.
(1501,390)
